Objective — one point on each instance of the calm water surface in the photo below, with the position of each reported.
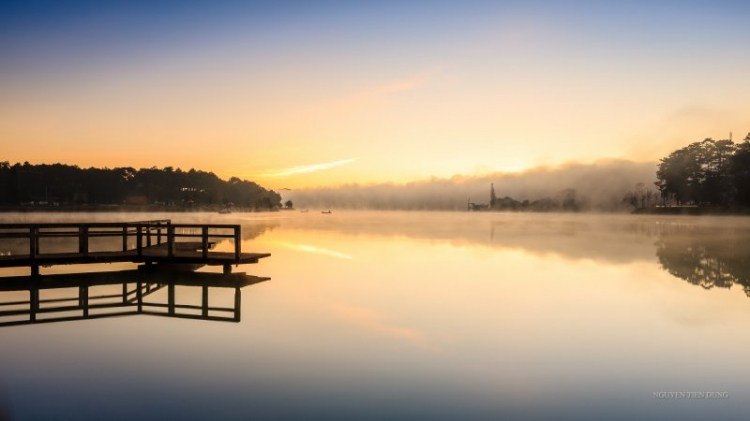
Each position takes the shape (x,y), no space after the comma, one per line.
(375,315)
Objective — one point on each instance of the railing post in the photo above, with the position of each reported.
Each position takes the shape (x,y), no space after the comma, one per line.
(33,243)
(170,241)
(158,233)
(36,243)
(83,240)
(204,241)
(237,243)
(139,239)
(125,238)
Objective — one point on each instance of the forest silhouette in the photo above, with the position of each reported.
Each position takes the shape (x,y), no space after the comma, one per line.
(62,185)
(710,172)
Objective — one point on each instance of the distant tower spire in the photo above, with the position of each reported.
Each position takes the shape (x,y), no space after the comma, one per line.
(493,198)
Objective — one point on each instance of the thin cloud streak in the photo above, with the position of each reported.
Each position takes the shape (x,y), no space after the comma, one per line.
(317,250)
(308,168)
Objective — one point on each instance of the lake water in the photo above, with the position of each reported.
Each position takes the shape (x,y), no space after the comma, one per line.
(398,315)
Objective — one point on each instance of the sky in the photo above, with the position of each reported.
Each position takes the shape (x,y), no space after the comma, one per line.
(299,94)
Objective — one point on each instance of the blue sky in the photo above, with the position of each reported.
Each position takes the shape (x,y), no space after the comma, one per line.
(290,84)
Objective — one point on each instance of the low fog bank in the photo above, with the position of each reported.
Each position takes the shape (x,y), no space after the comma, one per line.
(617,239)
(599,186)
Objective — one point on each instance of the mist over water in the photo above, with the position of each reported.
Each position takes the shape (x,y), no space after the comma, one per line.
(599,186)
(419,315)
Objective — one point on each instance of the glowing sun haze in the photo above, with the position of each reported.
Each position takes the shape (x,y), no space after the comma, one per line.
(304,94)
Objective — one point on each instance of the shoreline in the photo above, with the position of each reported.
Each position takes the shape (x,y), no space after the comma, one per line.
(695,211)
(123,208)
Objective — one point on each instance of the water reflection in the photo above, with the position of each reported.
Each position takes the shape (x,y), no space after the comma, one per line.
(114,294)
(706,251)
(413,316)
(706,257)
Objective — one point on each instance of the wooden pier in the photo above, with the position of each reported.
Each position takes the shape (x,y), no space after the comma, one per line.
(157,242)
(131,292)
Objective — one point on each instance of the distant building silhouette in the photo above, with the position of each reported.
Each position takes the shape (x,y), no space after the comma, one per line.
(471,206)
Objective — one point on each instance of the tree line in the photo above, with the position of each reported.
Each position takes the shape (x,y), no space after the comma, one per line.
(59,184)
(710,172)
(565,200)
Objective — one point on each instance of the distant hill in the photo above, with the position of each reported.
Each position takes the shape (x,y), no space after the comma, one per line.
(599,186)
(61,185)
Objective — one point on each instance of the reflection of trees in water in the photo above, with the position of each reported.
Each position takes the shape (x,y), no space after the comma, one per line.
(705,257)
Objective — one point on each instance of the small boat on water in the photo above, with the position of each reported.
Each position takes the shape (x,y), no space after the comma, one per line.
(325,211)
(225,210)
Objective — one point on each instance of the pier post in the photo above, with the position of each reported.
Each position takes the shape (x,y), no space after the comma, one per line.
(83,296)
(33,302)
(170,241)
(237,243)
(204,302)
(237,303)
(33,242)
(139,296)
(139,240)
(170,299)
(83,240)
(124,293)
(36,242)
(124,238)
(204,242)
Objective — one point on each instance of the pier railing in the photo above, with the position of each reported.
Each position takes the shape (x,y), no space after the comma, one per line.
(161,233)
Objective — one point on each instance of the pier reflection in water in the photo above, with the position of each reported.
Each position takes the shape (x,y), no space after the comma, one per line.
(123,293)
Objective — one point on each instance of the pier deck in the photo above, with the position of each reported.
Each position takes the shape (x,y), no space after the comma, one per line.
(148,242)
